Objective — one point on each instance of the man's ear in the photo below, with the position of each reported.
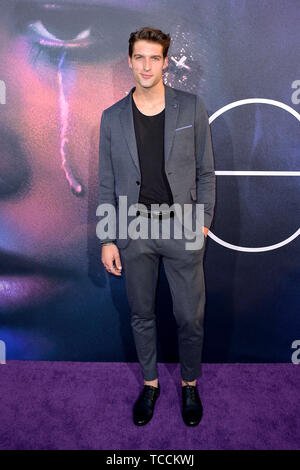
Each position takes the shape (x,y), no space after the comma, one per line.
(166,62)
(129,62)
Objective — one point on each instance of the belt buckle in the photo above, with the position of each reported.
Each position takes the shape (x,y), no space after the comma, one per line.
(155,214)
(161,215)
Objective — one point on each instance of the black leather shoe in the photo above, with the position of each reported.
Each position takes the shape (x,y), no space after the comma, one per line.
(144,406)
(192,409)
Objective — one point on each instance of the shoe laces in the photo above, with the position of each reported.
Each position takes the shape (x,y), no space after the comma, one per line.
(192,390)
(149,391)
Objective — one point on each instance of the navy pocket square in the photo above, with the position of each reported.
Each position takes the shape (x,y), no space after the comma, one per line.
(184,127)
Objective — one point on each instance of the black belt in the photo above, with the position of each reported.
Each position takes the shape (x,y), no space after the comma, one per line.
(156,214)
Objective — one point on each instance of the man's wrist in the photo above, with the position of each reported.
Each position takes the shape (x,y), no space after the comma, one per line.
(108,243)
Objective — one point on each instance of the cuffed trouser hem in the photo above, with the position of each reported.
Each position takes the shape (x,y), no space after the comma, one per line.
(191,376)
(148,375)
(152,378)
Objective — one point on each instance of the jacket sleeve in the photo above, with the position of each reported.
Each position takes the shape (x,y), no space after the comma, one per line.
(106,172)
(205,172)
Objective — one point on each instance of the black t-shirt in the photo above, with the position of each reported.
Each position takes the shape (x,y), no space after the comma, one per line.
(149,132)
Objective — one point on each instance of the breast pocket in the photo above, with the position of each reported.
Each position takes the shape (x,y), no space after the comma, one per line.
(183,127)
(184,139)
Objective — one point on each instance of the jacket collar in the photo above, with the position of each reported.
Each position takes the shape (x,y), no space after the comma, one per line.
(171,114)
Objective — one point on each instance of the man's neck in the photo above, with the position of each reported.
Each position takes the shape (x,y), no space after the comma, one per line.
(151,95)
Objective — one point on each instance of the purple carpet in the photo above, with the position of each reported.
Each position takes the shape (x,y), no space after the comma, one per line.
(84,405)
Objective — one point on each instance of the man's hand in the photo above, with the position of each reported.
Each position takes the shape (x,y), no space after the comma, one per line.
(110,255)
(205,230)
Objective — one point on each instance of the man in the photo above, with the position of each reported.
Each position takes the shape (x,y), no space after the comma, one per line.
(155,148)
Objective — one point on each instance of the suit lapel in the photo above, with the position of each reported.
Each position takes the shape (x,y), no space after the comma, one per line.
(171,114)
(126,117)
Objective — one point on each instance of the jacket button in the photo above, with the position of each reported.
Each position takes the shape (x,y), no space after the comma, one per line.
(138,183)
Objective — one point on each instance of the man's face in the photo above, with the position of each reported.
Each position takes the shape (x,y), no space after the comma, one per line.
(46,222)
(147,63)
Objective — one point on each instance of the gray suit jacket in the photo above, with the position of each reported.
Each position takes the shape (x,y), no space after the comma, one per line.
(188,155)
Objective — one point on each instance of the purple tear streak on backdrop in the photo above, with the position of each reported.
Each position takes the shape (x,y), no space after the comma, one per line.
(64,115)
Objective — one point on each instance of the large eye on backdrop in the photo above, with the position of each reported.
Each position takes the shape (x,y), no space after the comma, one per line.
(84,32)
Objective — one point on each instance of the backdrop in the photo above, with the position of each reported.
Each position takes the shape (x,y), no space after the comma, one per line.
(61,64)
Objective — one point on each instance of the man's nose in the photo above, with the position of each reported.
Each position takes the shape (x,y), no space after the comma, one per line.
(147,64)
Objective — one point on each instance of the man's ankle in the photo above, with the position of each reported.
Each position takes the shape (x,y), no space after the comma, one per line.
(154,382)
(188,382)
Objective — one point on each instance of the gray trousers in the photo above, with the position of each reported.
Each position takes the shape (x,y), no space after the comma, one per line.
(184,271)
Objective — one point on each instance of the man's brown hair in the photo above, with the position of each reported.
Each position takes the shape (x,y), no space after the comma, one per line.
(150,34)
